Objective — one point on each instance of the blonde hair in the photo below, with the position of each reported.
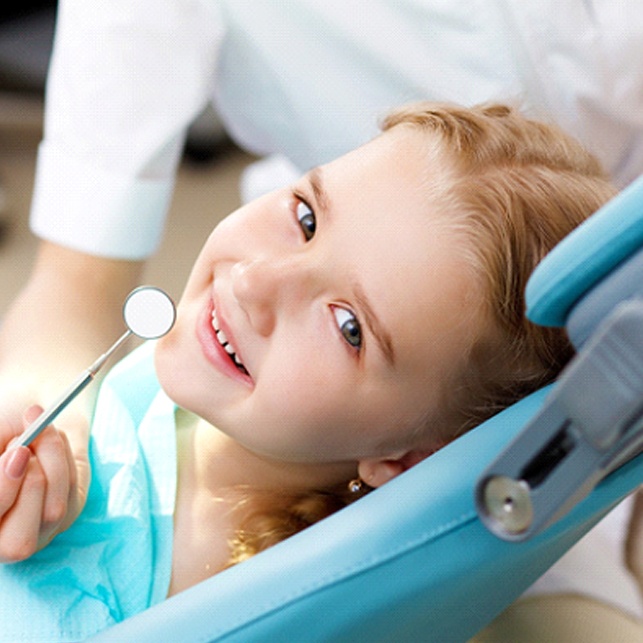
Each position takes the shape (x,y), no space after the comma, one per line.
(515,187)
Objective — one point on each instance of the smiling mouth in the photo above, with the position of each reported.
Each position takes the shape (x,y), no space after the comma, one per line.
(225,344)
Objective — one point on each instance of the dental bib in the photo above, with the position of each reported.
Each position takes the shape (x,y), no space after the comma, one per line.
(115,560)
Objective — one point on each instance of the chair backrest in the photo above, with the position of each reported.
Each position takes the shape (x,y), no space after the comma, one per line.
(411,561)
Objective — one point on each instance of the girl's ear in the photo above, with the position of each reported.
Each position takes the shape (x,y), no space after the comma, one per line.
(376,472)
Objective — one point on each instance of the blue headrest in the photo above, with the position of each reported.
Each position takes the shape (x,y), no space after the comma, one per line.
(412,560)
(586,256)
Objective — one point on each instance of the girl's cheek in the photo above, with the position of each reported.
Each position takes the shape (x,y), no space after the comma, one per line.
(233,237)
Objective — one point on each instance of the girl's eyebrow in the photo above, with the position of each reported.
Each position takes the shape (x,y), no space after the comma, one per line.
(381,335)
(317,184)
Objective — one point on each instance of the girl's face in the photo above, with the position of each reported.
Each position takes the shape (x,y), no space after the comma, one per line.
(321,322)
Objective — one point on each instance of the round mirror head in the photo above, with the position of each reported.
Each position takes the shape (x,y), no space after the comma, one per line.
(149,312)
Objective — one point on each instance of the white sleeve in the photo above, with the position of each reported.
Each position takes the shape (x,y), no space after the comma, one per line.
(126,79)
(322,72)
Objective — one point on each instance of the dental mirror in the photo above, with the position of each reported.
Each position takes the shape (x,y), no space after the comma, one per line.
(149,313)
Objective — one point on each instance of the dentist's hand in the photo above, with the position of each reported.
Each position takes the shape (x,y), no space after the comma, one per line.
(66,315)
(42,488)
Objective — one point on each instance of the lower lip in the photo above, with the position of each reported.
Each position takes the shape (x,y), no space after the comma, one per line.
(213,351)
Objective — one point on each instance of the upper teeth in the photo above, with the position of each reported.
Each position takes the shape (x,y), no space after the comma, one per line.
(223,340)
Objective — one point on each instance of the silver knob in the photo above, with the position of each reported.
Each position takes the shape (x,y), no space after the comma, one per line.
(507,505)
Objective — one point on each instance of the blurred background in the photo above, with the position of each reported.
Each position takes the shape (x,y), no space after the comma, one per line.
(207,185)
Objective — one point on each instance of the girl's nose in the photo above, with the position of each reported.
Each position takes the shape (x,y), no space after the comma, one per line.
(266,287)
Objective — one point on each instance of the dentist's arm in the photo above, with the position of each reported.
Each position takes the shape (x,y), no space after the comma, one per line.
(68,313)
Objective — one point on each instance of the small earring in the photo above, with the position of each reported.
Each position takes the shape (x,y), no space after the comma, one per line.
(356,485)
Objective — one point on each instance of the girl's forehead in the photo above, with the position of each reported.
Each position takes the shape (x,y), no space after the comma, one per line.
(404,162)
(396,235)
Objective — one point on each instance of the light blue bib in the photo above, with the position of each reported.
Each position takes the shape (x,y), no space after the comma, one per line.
(115,560)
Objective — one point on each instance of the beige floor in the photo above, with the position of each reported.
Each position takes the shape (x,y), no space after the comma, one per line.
(204,194)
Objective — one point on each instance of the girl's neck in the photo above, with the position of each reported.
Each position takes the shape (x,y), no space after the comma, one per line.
(220,484)
(221,465)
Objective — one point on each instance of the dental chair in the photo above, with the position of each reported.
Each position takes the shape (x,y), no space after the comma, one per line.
(439,552)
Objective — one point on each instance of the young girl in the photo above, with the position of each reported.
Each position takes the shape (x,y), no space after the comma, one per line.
(331,335)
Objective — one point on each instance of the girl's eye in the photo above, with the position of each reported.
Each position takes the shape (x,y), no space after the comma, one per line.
(306,218)
(349,326)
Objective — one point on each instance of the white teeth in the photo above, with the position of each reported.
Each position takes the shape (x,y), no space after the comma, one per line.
(223,340)
(222,337)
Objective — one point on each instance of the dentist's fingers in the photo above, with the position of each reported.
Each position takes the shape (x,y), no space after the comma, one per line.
(13,463)
(71,462)
(13,467)
(43,488)
(36,485)
(51,448)
(20,526)
(54,454)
